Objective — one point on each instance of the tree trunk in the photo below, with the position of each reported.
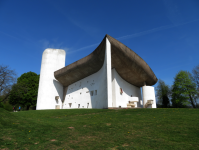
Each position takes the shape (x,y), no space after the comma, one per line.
(192,102)
(28,106)
(165,101)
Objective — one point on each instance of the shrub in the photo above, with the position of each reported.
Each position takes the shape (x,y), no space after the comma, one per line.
(8,107)
(1,105)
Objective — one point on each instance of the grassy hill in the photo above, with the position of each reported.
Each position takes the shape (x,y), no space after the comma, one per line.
(100,129)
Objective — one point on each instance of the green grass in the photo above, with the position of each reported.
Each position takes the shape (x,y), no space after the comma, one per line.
(100,129)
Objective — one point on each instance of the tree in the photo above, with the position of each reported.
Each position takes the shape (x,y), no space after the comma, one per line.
(7,79)
(163,93)
(25,91)
(195,72)
(184,90)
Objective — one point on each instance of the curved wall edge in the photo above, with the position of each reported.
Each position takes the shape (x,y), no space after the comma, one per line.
(49,87)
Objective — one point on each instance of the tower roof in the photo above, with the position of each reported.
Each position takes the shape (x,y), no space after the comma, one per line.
(131,67)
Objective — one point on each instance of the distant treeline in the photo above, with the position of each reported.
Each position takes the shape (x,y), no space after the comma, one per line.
(17,92)
(184,93)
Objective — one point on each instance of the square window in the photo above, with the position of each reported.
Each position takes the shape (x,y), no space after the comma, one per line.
(91,93)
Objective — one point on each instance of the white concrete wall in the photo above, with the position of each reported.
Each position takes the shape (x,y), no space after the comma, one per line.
(148,93)
(80,91)
(49,87)
(128,91)
(109,73)
(107,82)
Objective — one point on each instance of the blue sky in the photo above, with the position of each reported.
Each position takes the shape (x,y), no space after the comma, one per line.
(165,33)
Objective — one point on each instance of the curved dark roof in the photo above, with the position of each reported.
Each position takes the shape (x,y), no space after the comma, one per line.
(131,67)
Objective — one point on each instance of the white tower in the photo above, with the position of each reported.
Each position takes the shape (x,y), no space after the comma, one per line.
(50,92)
(148,95)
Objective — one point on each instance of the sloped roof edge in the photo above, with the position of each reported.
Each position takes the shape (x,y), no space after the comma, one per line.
(127,63)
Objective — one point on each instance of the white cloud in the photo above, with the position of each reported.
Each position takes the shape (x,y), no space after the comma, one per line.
(56,45)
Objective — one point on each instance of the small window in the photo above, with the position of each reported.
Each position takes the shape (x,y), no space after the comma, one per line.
(95,92)
(121,91)
(78,105)
(70,104)
(91,93)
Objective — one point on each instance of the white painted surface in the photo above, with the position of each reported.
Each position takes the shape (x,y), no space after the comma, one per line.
(148,93)
(113,87)
(49,87)
(99,90)
(79,93)
(109,73)
(134,99)
(128,91)
(141,102)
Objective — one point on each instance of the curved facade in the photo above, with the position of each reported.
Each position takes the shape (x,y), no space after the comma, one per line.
(111,76)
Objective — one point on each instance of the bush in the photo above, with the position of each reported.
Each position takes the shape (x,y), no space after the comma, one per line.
(1,105)
(8,107)
(159,106)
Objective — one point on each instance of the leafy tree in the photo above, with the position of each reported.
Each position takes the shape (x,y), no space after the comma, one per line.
(7,79)
(163,93)
(195,72)
(1,105)
(184,90)
(25,91)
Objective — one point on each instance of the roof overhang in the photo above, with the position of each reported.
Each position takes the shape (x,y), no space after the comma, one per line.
(131,67)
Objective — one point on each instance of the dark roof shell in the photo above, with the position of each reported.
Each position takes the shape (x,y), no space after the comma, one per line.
(131,67)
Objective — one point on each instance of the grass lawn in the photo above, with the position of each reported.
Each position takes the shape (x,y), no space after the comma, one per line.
(100,129)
